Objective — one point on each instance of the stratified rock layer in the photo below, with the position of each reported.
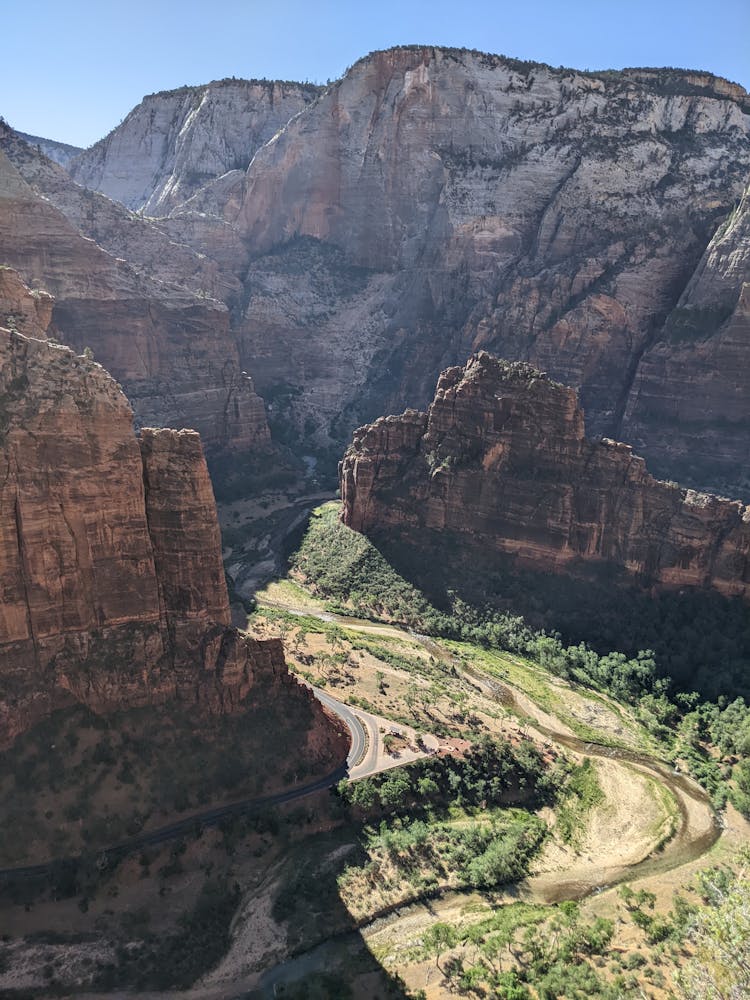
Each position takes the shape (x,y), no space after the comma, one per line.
(175,141)
(431,203)
(452,201)
(112,589)
(170,347)
(21,309)
(501,461)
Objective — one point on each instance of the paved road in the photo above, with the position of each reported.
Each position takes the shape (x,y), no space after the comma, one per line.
(212,817)
(356,728)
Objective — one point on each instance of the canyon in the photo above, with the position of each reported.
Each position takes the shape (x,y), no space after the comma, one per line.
(217,298)
(112,583)
(343,245)
(500,463)
(167,343)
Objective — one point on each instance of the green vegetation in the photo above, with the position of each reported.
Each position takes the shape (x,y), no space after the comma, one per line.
(491,773)
(99,780)
(409,832)
(483,854)
(582,794)
(711,738)
(344,567)
(522,952)
(720,935)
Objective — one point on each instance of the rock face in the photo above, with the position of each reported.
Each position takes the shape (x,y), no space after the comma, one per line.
(691,396)
(170,347)
(176,141)
(21,309)
(459,201)
(61,152)
(501,462)
(112,588)
(432,203)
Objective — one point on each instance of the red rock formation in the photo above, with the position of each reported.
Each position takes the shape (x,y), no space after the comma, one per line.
(501,461)
(545,215)
(21,309)
(431,203)
(112,589)
(170,346)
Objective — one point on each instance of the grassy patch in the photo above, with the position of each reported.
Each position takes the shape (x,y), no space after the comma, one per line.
(582,795)
(346,568)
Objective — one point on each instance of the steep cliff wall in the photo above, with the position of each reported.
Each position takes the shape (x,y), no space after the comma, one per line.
(545,215)
(690,402)
(501,462)
(432,203)
(171,348)
(112,590)
(174,142)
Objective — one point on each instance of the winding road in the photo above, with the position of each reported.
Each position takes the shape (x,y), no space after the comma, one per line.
(361,761)
(698,827)
(356,727)
(697,830)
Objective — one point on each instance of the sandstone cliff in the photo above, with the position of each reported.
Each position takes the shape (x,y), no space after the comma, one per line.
(432,203)
(453,201)
(112,588)
(690,402)
(175,141)
(501,463)
(21,309)
(170,347)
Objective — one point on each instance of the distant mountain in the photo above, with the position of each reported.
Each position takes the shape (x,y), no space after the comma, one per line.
(60,152)
(175,141)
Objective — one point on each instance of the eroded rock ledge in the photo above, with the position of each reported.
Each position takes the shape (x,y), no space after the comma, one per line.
(112,589)
(501,460)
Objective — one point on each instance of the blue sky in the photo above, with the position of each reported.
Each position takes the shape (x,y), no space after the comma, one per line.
(72,69)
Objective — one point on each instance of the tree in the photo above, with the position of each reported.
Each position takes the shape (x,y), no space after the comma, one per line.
(438,939)
(720,969)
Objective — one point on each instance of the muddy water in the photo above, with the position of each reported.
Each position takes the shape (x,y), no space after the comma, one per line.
(686,845)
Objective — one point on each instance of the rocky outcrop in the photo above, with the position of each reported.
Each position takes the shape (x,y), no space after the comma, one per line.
(501,464)
(466,201)
(112,588)
(176,141)
(21,309)
(171,348)
(690,402)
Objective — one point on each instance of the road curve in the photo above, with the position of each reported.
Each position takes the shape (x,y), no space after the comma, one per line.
(687,843)
(357,730)
(212,817)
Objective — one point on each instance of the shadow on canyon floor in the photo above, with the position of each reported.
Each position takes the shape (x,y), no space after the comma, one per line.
(701,639)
